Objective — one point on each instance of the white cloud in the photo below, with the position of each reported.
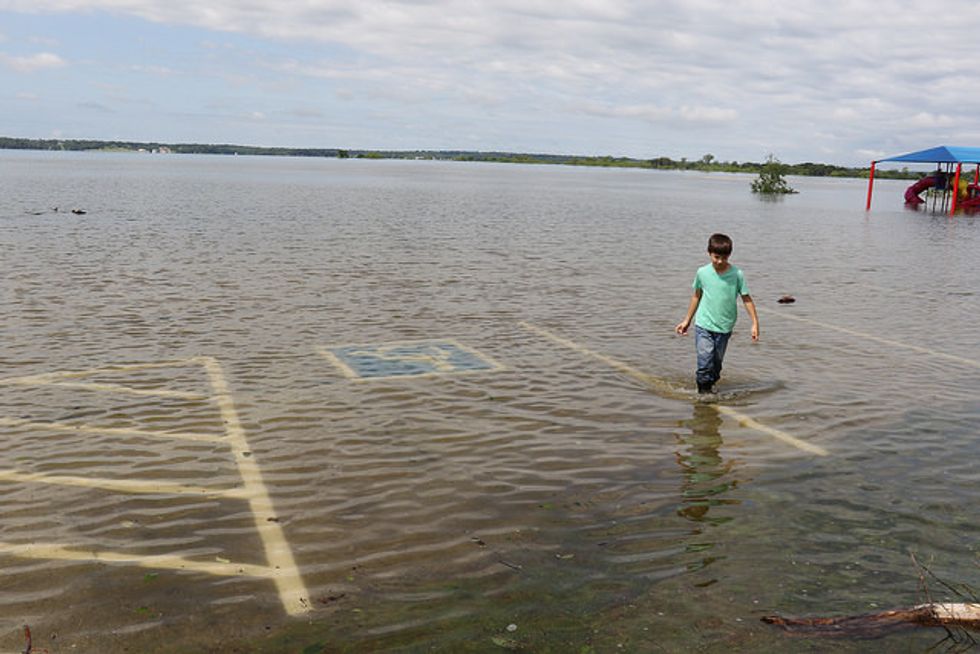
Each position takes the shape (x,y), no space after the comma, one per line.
(160,71)
(306,112)
(781,72)
(95,106)
(924,119)
(669,115)
(31,63)
(707,114)
(650,113)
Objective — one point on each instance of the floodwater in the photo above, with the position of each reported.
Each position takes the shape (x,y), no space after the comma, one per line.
(190,464)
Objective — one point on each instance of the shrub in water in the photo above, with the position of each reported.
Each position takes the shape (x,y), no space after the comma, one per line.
(770,180)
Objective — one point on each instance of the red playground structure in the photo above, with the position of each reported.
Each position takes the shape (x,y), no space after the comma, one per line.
(953,190)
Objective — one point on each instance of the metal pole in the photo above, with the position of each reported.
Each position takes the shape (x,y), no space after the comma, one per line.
(871,181)
(956,189)
(940,204)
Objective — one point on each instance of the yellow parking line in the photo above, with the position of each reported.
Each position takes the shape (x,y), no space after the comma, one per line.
(886,341)
(752,423)
(281,569)
(122,485)
(344,369)
(61,377)
(114,431)
(42,380)
(53,551)
(664,387)
(46,377)
(292,590)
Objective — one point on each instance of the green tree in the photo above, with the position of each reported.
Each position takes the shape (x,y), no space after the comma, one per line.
(770,180)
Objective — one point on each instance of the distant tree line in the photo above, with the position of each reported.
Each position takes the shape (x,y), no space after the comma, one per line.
(180,148)
(707,163)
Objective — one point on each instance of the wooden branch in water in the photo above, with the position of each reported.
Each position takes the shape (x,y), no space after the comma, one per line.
(869,625)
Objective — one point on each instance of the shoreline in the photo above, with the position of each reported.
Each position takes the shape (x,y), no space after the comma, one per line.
(705,164)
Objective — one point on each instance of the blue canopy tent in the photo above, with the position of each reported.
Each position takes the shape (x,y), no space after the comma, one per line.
(942,154)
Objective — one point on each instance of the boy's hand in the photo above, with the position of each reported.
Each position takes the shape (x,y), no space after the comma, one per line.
(755,332)
(692,308)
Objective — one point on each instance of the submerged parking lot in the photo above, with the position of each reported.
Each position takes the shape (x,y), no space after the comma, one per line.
(276,404)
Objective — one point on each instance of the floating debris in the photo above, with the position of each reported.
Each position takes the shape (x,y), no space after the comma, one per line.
(870,625)
(29,646)
(506,643)
(79,212)
(327,599)
(786,299)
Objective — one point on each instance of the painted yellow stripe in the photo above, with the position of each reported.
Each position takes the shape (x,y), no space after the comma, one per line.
(53,551)
(664,387)
(112,431)
(752,423)
(61,377)
(121,485)
(42,380)
(78,374)
(292,590)
(344,369)
(853,332)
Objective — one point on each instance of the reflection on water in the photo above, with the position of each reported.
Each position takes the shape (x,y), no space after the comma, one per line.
(707,479)
(707,476)
(551,490)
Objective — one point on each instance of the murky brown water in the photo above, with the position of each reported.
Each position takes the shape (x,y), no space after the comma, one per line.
(163,370)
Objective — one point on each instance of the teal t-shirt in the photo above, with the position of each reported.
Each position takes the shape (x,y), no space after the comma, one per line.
(718,308)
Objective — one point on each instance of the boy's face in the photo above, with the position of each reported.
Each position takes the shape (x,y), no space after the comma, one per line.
(719,261)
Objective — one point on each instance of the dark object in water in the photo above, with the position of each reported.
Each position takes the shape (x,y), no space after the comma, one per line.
(873,625)
(786,299)
(78,212)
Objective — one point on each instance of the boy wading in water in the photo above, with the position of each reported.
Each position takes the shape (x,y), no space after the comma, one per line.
(714,308)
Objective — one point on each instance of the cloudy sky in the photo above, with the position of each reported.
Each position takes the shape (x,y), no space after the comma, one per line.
(835,81)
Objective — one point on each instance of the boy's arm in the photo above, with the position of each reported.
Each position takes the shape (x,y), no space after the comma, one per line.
(750,307)
(691,308)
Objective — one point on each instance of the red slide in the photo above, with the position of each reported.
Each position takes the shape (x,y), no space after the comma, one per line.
(912,192)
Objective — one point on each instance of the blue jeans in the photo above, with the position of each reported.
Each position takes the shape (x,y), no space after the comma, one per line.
(711,352)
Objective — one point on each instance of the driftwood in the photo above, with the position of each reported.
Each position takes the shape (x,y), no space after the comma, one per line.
(870,625)
(29,646)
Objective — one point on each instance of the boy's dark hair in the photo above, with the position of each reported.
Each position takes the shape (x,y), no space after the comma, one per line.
(720,244)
